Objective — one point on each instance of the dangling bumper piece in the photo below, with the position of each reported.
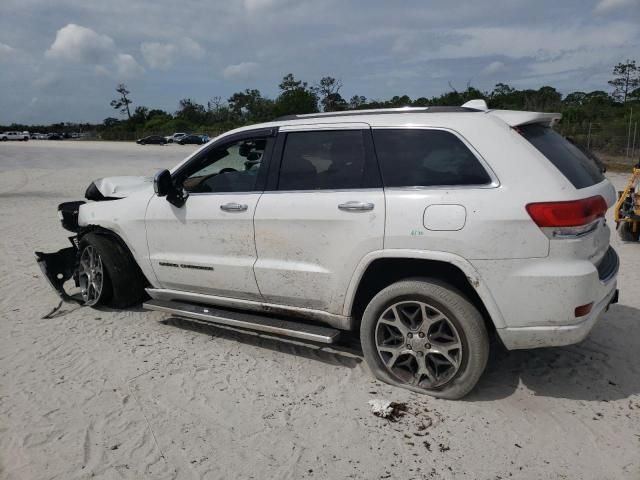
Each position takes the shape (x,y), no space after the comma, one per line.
(60,266)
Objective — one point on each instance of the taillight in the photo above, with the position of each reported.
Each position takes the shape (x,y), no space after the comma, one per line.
(574,213)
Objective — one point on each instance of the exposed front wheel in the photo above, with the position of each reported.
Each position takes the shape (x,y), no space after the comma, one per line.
(95,288)
(107,273)
(425,336)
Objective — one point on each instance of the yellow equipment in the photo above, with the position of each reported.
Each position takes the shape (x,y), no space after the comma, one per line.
(626,212)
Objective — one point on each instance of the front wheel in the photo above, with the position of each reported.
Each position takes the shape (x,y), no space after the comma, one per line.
(95,285)
(107,273)
(424,335)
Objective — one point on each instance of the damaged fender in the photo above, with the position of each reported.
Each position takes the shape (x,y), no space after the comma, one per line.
(60,266)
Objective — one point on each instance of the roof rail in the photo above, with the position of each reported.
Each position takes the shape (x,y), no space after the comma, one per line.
(378,111)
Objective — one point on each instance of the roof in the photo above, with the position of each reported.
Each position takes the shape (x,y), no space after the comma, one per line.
(435,116)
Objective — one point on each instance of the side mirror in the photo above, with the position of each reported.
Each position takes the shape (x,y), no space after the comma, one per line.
(164,187)
(162,183)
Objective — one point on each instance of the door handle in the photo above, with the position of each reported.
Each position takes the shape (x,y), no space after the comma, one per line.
(234,207)
(356,206)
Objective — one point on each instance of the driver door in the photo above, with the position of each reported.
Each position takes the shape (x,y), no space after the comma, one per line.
(208,245)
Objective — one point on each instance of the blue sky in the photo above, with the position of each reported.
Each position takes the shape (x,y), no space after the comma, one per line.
(61,60)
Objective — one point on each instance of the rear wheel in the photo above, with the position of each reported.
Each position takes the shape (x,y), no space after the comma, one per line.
(425,336)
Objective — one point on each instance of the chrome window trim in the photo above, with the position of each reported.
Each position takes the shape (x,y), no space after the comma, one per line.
(332,190)
(255,192)
(329,126)
(494,183)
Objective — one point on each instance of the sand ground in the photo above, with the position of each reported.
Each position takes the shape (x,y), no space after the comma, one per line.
(132,394)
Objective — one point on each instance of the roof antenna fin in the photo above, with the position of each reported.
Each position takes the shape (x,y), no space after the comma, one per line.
(477,104)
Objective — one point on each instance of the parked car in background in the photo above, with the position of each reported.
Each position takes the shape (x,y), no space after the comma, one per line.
(35,135)
(194,139)
(19,136)
(175,137)
(424,230)
(54,136)
(152,140)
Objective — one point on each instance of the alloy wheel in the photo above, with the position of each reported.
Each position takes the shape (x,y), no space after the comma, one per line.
(418,344)
(91,275)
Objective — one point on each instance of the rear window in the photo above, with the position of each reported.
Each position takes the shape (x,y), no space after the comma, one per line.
(424,158)
(323,160)
(579,169)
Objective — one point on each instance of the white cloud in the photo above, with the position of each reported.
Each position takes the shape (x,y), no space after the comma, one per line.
(78,44)
(102,71)
(127,66)
(256,5)
(240,71)
(192,48)
(75,43)
(162,55)
(158,55)
(6,52)
(537,42)
(604,6)
(493,68)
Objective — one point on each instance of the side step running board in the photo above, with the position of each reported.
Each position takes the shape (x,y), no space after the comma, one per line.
(248,321)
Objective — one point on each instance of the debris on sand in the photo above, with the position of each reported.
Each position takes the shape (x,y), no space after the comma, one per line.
(386,409)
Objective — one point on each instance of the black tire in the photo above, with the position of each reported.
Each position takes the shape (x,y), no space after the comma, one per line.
(625,230)
(124,283)
(466,319)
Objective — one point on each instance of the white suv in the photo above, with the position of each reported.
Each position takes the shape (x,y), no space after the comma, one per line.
(426,230)
(175,137)
(19,136)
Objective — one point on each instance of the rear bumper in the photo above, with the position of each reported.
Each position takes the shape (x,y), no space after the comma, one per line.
(538,297)
(556,336)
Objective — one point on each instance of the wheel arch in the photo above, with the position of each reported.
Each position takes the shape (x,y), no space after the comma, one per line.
(380,269)
(98,230)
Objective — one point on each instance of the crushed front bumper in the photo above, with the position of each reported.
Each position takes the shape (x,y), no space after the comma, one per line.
(60,266)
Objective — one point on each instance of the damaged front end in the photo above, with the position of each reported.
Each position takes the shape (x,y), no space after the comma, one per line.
(63,265)
(60,266)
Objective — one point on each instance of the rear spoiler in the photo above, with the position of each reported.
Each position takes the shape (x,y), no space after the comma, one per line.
(515,118)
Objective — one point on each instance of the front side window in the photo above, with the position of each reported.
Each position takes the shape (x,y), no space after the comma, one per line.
(424,158)
(323,160)
(232,167)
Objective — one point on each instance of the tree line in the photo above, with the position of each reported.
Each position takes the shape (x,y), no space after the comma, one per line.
(602,119)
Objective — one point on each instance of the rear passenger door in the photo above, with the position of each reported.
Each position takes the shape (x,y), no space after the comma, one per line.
(322,211)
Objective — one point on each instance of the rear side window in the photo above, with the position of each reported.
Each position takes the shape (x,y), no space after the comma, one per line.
(424,158)
(323,160)
(580,170)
